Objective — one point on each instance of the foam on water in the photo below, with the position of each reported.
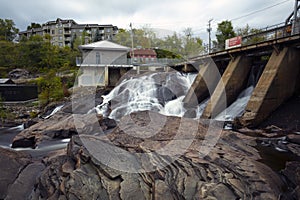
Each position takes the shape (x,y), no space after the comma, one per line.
(142,93)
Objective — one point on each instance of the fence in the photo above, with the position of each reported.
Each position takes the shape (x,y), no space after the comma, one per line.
(269,33)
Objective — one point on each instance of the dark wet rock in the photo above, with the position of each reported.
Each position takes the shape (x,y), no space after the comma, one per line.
(11,165)
(221,191)
(60,126)
(294,138)
(48,110)
(165,95)
(107,123)
(24,185)
(84,99)
(24,142)
(92,170)
(30,123)
(292,174)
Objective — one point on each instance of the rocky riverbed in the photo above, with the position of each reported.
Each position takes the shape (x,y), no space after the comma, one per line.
(244,164)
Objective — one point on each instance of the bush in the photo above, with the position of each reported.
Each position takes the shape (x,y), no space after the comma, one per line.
(50,88)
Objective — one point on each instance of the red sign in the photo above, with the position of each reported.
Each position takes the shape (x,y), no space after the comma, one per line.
(233,42)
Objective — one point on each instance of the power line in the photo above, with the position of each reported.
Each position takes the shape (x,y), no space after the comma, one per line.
(261,10)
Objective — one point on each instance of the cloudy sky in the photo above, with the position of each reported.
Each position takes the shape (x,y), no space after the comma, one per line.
(171,15)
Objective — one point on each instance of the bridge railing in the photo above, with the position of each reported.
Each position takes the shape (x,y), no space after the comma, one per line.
(266,34)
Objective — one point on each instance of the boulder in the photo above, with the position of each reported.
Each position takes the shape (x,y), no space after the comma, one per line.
(18,73)
(12,164)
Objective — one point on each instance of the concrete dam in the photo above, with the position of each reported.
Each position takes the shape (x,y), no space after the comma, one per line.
(273,67)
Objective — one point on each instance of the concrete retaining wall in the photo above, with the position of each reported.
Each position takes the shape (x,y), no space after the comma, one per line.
(276,85)
(204,84)
(229,87)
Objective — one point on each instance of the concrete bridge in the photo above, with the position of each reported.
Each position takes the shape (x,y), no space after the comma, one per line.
(274,62)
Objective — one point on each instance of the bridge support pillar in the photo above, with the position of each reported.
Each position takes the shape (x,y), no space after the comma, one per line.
(205,83)
(277,84)
(229,87)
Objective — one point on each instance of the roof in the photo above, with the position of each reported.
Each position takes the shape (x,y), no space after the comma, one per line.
(6,81)
(148,52)
(105,45)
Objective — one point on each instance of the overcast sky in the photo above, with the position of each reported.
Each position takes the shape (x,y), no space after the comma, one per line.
(171,15)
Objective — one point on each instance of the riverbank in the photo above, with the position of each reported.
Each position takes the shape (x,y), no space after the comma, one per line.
(234,168)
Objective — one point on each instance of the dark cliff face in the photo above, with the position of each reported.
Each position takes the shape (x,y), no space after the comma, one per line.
(88,169)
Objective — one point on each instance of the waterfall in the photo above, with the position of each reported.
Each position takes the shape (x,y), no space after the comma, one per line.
(159,92)
(237,108)
(58,108)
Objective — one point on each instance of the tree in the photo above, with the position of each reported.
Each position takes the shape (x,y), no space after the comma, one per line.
(251,35)
(50,88)
(192,46)
(97,36)
(123,37)
(34,25)
(224,31)
(85,39)
(8,30)
(3,112)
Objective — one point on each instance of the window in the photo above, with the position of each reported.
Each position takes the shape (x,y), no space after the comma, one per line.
(53,32)
(98,60)
(60,44)
(60,31)
(60,38)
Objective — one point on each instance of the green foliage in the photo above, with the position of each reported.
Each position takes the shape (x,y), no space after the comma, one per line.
(34,25)
(224,31)
(161,53)
(8,30)
(4,114)
(246,31)
(97,36)
(36,55)
(2,111)
(8,54)
(85,38)
(50,88)
(185,45)
(123,37)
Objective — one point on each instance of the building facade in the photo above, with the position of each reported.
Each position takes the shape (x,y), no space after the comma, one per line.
(143,55)
(64,32)
(103,63)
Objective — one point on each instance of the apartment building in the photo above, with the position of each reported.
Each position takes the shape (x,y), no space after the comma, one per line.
(64,31)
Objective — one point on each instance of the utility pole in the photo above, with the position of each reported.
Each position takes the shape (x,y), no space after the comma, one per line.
(295,23)
(132,49)
(209,35)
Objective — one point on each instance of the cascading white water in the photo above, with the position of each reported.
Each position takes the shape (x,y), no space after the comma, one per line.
(58,108)
(159,92)
(237,108)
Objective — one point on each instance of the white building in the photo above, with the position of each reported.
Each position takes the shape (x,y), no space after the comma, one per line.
(102,63)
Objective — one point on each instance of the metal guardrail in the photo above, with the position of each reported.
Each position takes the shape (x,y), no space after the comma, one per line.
(269,33)
(136,61)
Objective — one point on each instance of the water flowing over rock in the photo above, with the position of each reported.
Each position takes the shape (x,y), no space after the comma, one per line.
(150,92)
